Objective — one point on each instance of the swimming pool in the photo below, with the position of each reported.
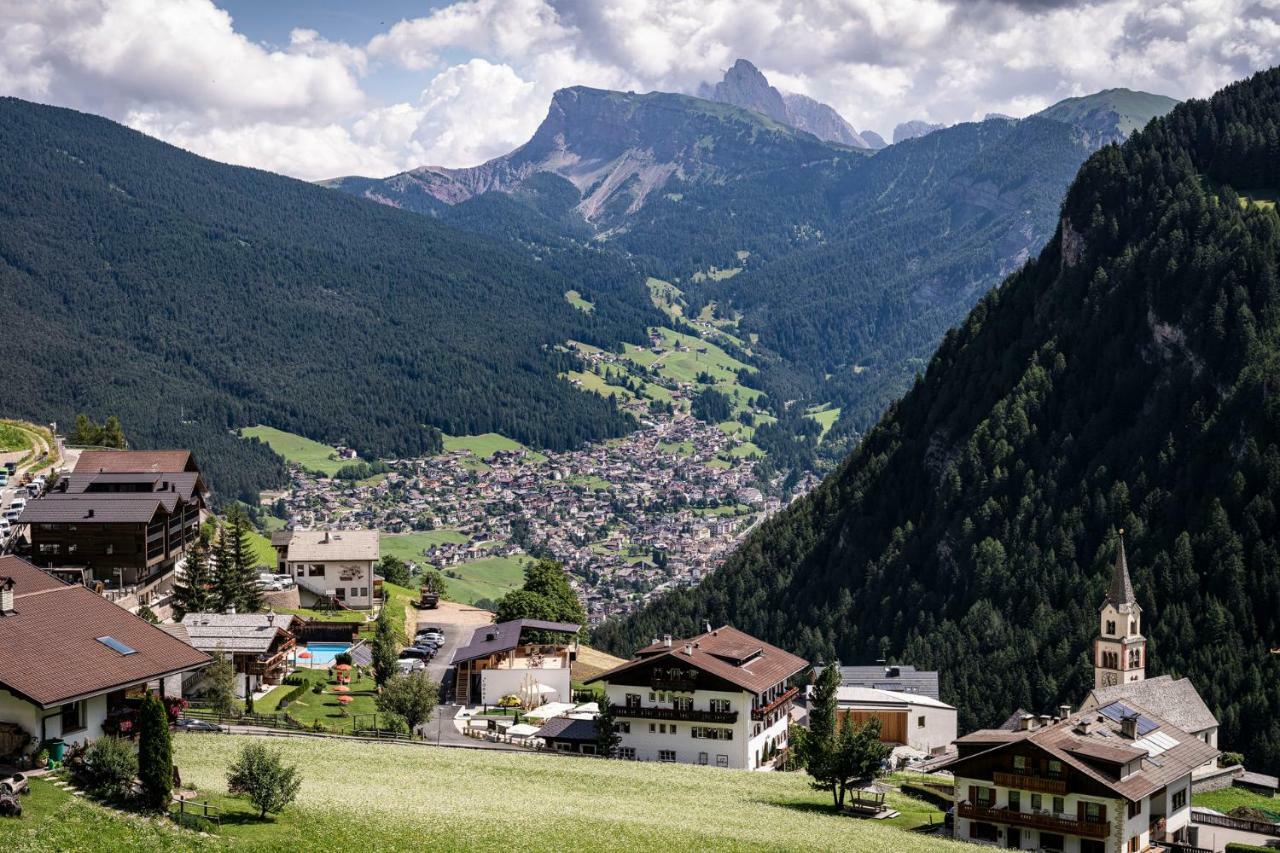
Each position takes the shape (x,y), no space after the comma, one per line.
(322,654)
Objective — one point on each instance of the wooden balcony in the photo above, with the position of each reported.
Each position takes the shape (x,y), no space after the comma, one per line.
(1023,782)
(784,698)
(652,713)
(1035,820)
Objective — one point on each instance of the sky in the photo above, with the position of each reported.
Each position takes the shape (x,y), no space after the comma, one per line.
(322,88)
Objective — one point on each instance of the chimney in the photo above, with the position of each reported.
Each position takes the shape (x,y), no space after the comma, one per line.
(1045,720)
(1129,726)
(89,514)
(1028,722)
(6,596)
(1084,726)
(666,640)
(892,672)
(1064,711)
(326,537)
(706,627)
(688,649)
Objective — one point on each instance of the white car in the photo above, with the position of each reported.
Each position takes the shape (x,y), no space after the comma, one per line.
(408,665)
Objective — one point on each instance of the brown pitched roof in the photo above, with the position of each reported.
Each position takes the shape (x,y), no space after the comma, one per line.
(1170,752)
(111,507)
(52,653)
(135,461)
(727,653)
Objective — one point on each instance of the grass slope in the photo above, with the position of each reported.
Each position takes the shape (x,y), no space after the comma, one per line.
(409,546)
(490,577)
(311,455)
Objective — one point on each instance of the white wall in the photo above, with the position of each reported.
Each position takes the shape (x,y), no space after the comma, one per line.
(344,574)
(22,712)
(939,727)
(496,683)
(739,751)
(1116,817)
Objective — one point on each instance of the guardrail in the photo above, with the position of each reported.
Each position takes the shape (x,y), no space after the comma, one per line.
(1228,822)
(188,812)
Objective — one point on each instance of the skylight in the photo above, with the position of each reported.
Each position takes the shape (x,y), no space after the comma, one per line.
(115,645)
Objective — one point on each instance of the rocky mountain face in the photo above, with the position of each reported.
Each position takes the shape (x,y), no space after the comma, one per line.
(1111,115)
(744,86)
(874,140)
(914,130)
(822,121)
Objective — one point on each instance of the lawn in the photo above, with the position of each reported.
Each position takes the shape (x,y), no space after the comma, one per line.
(409,546)
(598,384)
(1226,799)
(575,299)
(825,416)
(490,577)
(13,437)
(263,552)
(324,707)
(311,455)
(484,446)
(372,796)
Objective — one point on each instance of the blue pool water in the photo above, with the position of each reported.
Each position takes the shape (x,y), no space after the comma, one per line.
(322,654)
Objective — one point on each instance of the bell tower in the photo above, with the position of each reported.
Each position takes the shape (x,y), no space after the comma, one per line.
(1120,652)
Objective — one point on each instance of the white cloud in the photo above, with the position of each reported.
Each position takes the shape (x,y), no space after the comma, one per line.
(486,69)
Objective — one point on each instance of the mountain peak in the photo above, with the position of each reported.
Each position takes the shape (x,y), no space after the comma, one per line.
(914,130)
(745,86)
(1110,115)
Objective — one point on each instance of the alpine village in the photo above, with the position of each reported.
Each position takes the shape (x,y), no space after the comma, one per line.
(474,425)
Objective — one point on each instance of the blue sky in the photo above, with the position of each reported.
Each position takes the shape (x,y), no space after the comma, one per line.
(319,88)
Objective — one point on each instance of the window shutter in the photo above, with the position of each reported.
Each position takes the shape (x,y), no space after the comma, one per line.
(1080,812)
(1102,814)
(973,794)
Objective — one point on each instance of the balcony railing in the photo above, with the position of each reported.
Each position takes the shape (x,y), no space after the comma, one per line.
(766,710)
(1035,820)
(652,713)
(1023,782)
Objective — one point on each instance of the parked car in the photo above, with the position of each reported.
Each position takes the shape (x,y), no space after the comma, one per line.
(12,513)
(431,637)
(415,652)
(408,665)
(11,467)
(191,724)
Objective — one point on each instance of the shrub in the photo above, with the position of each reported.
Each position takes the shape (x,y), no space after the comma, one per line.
(155,754)
(317,688)
(342,657)
(261,775)
(109,768)
(1230,759)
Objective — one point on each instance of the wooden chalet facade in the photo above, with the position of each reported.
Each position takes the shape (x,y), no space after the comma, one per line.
(260,644)
(121,517)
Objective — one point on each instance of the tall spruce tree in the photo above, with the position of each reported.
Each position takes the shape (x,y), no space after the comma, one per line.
(226,586)
(155,754)
(819,747)
(384,648)
(249,599)
(193,592)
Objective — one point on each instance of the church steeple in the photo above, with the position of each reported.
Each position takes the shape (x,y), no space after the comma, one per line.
(1120,653)
(1120,595)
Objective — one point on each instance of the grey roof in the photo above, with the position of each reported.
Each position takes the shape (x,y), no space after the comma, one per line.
(505,636)
(564,728)
(1014,722)
(111,507)
(183,482)
(235,632)
(1178,701)
(1120,593)
(318,546)
(908,680)
(361,654)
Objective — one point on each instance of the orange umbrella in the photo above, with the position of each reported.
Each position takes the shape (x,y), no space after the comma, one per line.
(342,667)
(342,688)
(304,654)
(346,700)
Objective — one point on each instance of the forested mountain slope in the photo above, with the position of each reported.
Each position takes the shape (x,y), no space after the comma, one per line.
(1129,377)
(189,297)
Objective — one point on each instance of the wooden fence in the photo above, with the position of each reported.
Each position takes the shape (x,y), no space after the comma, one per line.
(1237,823)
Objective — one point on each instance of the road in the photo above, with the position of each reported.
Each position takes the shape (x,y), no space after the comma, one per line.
(12,489)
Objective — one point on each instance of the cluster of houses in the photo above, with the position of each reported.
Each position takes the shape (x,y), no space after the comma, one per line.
(630,519)
(1115,773)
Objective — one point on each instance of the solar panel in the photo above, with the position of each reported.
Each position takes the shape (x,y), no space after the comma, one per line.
(1118,710)
(115,645)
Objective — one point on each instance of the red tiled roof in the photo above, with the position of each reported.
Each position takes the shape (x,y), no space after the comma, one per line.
(51,651)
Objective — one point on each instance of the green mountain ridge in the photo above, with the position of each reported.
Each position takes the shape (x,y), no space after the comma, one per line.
(190,297)
(1128,377)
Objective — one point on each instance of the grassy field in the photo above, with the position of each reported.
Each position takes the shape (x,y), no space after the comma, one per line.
(598,384)
(395,797)
(409,546)
(575,299)
(13,438)
(262,550)
(825,415)
(490,577)
(1226,799)
(311,455)
(484,446)
(324,707)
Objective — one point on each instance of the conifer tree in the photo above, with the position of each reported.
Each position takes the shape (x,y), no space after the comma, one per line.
(249,596)
(155,754)
(225,584)
(384,648)
(193,592)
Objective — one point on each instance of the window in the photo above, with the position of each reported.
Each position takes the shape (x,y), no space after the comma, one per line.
(653,697)
(722,761)
(702,758)
(315,571)
(1094,812)
(1135,809)
(1055,766)
(662,728)
(1037,802)
(633,700)
(652,728)
(682,703)
(72,717)
(920,722)
(720,706)
(627,752)
(1180,799)
(985,797)
(1092,845)
(623,728)
(666,755)
(340,594)
(364,592)
(1135,844)
(115,645)
(49,549)
(1015,801)
(1051,841)
(1019,762)
(1059,805)
(673,728)
(1111,627)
